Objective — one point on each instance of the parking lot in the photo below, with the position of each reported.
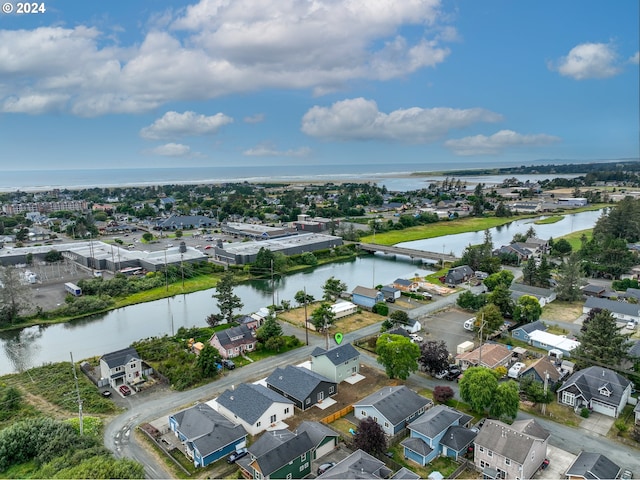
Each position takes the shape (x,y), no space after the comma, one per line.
(447,326)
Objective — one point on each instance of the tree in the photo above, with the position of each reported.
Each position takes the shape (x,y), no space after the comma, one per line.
(147,236)
(15,297)
(214,319)
(469,301)
(477,388)
(442,393)
(370,437)
(434,356)
(527,309)
(491,317)
(501,298)
(333,288)
(300,297)
(561,247)
(543,273)
(505,400)
(529,272)
(208,360)
(53,256)
(398,355)
(227,301)
(179,233)
(269,329)
(381,308)
(569,278)
(503,277)
(323,317)
(400,316)
(263,263)
(601,342)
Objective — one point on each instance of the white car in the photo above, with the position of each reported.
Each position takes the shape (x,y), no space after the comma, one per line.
(415,337)
(468,325)
(631,325)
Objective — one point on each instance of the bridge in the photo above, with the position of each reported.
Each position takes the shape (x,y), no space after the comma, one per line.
(409,252)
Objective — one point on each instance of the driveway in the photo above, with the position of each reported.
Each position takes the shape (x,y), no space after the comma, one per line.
(597,423)
(559,462)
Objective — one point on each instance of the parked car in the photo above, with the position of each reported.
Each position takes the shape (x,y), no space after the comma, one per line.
(544,464)
(453,373)
(237,455)
(415,337)
(325,466)
(626,474)
(124,390)
(631,325)
(228,364)
(468,325)
(106,393)
(441,375)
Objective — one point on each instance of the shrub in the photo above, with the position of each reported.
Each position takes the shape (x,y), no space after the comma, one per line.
(584,413)
(621,426)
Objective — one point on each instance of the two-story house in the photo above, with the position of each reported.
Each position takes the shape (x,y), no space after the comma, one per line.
(121,367)
(304,387)
(366,297)
(337,363)
(234,341)
(510,451)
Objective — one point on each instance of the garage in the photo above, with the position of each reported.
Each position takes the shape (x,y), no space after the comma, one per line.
(325,448)
(604,409)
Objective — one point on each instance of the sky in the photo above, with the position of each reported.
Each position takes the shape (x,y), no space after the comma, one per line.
(157,83)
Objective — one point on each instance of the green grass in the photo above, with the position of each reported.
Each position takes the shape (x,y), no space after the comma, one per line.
(574,238)
(22,470)
(552,219)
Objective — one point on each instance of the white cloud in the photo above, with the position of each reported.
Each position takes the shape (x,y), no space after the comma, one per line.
(172,150)
(483,145)
(635,58)
(360,119)
(34,104)
(589,60)
(268,150)
(174,125)
(219,47)
(257,118)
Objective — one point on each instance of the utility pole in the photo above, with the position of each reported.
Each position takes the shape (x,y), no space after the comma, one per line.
(75,377)
(546,382)
(480,349)
(306,327)
(273,290)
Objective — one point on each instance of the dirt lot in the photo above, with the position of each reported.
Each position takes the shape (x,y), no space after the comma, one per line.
(344,325)
(347,395)
(562,311)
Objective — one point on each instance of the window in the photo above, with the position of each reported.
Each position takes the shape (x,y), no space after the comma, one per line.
(568,398)
(289,475)
(489,453)
(533,455)
(363,413)
(303,457)
(481,449)
(507,461)
(375,419)
(258,424)
(258,475)
(332,389)
(250,346)
(308,402)
(272,419)
(386,424)
(484,464)
(286,410)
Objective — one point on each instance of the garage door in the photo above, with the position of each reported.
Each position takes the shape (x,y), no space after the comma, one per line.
(326,448)
(604,409)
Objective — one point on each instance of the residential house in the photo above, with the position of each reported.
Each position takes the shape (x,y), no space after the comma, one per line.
(538,245)
(490,355)
(121,367)
(414,326)
(523,331)
(358,465)
(458,275)
(342,309)
(592,466)
(279,454)
(304,387)
(234,341)
(399,331)
(323,438)
(621,311)
(185,222)
(393,408)
(391,294)
(249,321)
(510,451)
(405,474)
(544,295)
(366,297)
(522,253)
(337,363)
(540,369)
(553,343)
(632,293)
(206,434)
(255,407)
(441,424)
(636,412)
(405,285)
(591,290)
(597,388)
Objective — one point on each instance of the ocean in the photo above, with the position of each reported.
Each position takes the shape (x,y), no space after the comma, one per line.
(394,176)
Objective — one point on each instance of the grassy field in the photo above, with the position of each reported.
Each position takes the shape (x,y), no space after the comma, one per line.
(562,311)
(348,324)
(548,220)
(574,238)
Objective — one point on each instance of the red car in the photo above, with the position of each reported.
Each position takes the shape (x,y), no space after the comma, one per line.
(124,390)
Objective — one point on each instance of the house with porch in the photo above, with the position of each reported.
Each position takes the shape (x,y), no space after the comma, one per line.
(366,297)
(206,435)
(304,387)
(510,451)
(234,341)
(393,408)
(440,431)
(597,388)
(337,363)
(121,367)
(255,407)
(490,355)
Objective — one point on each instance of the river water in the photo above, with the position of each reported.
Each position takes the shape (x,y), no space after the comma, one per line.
(94,336)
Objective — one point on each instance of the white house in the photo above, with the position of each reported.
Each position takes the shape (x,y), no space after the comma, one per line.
(342,309)
(121,367)
(549,341)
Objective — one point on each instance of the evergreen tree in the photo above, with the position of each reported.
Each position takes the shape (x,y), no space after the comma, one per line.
(269,329)
(543,273)
(323,317)
(501,298)
(529,272)
(227,300)
(300,297)
(333,288)
(569,279)
(601,342)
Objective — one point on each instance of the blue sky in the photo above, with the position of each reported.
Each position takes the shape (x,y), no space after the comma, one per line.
(98,84)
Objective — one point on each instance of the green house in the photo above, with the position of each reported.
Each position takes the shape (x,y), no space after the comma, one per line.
(280,454)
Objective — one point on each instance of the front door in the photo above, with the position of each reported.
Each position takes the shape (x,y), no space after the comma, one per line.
(320,396)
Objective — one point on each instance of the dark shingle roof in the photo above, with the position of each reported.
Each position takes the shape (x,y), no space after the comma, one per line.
(402,281)
(317,431)
(358,465)
(529,290)
(533,326)
(512,441)
(235,336)
(395,403)
(120,357)
(417,445)
(435,421)
(337,355)
(249,401)
(457,437)
(405,474)
(624,308)
(297,382)
(270,440)
(591,379)
(593,466)
(284,453)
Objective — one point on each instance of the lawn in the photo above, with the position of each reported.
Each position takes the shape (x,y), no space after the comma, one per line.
(548,220)
(558,413)
(348,324)
(574,238)
(562,311)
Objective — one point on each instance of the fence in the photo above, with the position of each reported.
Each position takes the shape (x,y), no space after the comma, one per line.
(339,414)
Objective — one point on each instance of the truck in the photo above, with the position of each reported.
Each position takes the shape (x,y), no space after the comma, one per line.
(73,289)
(464,347)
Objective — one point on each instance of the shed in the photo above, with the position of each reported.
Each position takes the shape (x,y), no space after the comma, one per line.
(342,309)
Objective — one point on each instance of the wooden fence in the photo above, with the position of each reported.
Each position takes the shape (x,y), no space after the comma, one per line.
(339,414)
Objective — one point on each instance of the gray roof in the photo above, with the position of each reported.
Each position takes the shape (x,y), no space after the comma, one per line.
(398,331)
(614,306)
(235,336)
(283,453)
(405,474)
(533,326)
(634,349)
(512,441)
(529,290)
(358,465)
(366,292)
(120,357)
(297,382)
(593,466)
(317,431)
(270,440)
(207,429)
(249,401)
(417,445)
(339,354)
(458,438)
(395,403)
(402,281)
(633,292)
(435,421)
(590,380)
(389,289)
(592,288)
